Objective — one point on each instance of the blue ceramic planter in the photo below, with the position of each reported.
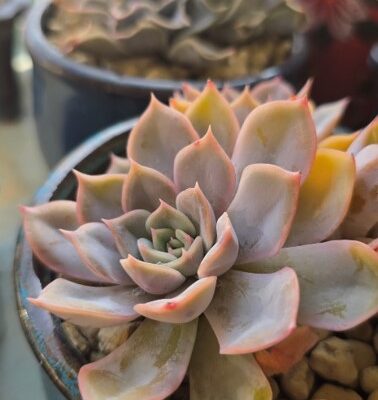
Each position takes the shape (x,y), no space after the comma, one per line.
(42,329)
(72,100)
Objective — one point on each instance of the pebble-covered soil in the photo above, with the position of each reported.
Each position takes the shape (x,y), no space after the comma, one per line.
(341,366)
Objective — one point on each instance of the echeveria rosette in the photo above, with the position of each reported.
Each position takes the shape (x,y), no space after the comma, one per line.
(217,235)
(191,33)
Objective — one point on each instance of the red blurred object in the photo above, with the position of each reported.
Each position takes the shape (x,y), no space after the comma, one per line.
(341,68)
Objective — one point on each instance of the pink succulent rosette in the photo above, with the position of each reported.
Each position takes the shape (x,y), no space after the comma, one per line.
(217,230)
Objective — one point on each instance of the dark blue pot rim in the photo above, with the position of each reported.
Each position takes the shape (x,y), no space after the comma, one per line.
(40,327)
(12,8)
(49,57)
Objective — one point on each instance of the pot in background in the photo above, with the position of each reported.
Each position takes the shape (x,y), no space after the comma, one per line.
(73,100)
(9,96)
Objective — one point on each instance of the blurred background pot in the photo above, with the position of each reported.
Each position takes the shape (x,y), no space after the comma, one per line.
(43,331)
(72,100)
(9,96)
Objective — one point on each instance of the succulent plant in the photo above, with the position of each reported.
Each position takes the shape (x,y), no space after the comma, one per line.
(225,230)
(189,33)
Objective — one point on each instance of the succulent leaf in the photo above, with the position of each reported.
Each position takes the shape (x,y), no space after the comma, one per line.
(152,278)
(338,142)
(272,131)
(273,89)
(252,312)
(263,209)
(324,198)
(205,162)
(42,226)
(367,136)
(236,377)
(166,216)
(193,203)
(151,142)
(96,247)
(327,117)
(150,365)
(151,255)
(98,196)
(90,306)
(243,105)
(212,109)
(280,358)
(222,256)
(338,281)
(363,212)
(183,308)
(127,229)
(144,188)
(118,165)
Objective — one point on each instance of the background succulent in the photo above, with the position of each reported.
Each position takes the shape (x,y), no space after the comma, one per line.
(195,34)
(221,238)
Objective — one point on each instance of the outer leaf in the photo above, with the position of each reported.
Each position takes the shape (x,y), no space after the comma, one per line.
(150,365)
(215,376)
(127,229)
(145,187)
(205,162)
(118,165)
(185,307)
(153,278)
(42,224)
(212,109)
(263,210)
(324,198)
(273,89)
(338,142)
(271,134)
(327,117)
(168,217)
(193,203)
(252,312)
(283,356)
(222,256)
(158,136)
(95,245)
(90,306)
(243,105)
(363,213)
(99,196)
(367,136)
(338,282)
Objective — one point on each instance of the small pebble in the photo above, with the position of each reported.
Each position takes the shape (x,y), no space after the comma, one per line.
(75,338)
(299,381)
(333,392)
(363,354)
(90,334)
(374,395)
(369,379)
(333,360)
(110,338)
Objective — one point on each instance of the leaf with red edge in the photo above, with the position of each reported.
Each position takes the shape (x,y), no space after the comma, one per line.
(206,163)
(158,136)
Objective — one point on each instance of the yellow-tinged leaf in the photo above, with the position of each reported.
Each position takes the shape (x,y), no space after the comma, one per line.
(338,142)
(324,198)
